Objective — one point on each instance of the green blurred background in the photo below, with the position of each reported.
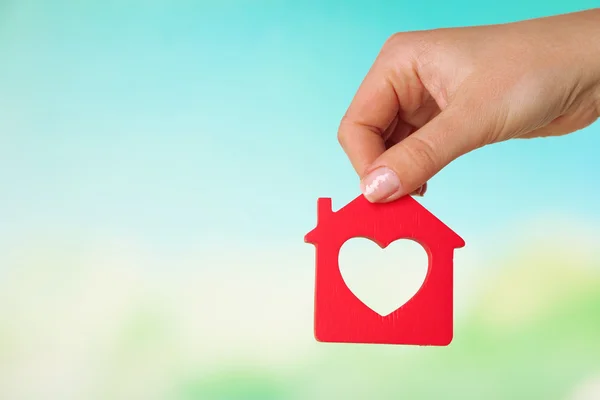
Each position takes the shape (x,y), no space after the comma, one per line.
(160,163)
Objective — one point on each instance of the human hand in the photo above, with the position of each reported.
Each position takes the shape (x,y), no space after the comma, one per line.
(432,96)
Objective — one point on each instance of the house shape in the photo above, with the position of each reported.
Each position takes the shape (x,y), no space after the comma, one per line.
(341,317)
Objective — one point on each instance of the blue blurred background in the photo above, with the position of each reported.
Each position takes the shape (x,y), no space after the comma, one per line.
(160,163)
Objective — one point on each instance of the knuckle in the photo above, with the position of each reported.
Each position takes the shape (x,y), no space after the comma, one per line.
(415,41)
(398,43)
(403,49)
(423,155)
(342,133)
(349,127)
(482,122)
(393,40)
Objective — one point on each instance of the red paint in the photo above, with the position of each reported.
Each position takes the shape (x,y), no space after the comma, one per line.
(426,319)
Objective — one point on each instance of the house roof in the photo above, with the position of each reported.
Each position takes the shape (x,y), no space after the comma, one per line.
(405,209)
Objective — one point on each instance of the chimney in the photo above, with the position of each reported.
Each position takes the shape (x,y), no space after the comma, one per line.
(323,213)
(323,209)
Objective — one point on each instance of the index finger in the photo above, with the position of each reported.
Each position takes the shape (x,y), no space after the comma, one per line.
(371,112)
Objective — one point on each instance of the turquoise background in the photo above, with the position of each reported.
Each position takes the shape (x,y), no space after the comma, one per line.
(160,163)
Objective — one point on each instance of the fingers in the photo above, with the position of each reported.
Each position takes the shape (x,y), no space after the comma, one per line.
(371,113)
(397,132)
(373,120)
(420,190)
(408,165)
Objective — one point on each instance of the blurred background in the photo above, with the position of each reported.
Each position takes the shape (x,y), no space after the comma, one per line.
(160,162)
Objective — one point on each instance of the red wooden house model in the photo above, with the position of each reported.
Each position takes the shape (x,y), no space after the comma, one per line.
(427,318)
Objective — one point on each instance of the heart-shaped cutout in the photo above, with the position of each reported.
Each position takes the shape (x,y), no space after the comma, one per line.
(383,279)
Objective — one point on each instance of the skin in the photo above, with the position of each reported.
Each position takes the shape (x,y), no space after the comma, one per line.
(433,96)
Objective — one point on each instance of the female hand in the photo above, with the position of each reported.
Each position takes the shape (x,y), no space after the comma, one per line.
(432,96)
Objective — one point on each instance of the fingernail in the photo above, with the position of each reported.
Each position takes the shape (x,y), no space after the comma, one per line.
(380,184)
(421,190)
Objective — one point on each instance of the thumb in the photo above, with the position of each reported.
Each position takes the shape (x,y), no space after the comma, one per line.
(409,164)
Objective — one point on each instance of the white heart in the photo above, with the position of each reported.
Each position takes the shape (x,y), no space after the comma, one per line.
(383,279)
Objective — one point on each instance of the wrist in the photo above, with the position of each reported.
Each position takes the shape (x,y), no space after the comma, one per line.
(583,35)
(593,41)
(595,55)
